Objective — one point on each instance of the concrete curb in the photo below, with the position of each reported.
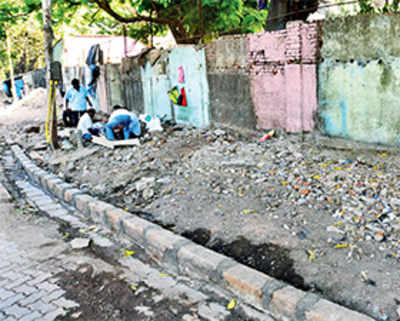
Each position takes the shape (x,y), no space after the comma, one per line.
(180,255)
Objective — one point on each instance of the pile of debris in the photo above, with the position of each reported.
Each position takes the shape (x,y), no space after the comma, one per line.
(35,99)
(329,208)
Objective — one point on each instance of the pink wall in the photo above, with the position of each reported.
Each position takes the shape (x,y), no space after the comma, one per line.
(283,76)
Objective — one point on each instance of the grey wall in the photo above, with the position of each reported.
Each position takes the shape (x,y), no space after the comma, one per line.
(132,88)
(230,100)
(230,97)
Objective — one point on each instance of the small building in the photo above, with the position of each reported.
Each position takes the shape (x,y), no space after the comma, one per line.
(72,51)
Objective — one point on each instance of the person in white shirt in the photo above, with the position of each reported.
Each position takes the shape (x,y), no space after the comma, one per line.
(85,125)
(75,103)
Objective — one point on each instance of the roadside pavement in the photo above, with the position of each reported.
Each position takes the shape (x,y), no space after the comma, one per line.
(54,266)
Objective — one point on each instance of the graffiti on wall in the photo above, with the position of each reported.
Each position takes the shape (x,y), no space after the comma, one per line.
(159,78)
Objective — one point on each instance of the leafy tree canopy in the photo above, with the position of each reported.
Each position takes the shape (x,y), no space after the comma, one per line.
(190,21)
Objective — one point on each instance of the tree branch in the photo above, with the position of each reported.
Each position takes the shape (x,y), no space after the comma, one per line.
(103,4)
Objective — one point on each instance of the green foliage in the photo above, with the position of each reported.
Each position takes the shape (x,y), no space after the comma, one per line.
(21,21)
(186,20)
(367,6)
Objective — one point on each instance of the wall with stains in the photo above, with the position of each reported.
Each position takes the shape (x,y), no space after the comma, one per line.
(230,97)
(283,77)
(132,85)
(359,79)
(161,76)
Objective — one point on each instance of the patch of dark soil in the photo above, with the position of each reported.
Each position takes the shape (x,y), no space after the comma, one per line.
(145,215)
(107,254)
(112,254)
(105,297)
(268,258)
(68,232)
(200,236)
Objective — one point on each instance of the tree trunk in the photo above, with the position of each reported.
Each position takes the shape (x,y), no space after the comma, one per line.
(11,66)
(48,37)
(51,90)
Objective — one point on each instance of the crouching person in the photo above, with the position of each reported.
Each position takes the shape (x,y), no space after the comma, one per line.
(124,120)
(86,126)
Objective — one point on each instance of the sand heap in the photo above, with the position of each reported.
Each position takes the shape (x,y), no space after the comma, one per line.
(36,99)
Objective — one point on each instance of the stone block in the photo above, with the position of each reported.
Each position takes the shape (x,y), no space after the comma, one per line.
(247,283)
(159,241)
(199,262)
(51,183)
(69,193)
(82,203)
(114,217)
(327,311)
(284,301)
(58,190)
(97,209)
(134,227)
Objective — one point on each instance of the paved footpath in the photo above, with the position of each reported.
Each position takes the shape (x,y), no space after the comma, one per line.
(30,256)
(28,289)
(33,253)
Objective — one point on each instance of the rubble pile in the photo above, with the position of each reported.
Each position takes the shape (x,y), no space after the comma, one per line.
(330,208)
(31,108)
(36,99)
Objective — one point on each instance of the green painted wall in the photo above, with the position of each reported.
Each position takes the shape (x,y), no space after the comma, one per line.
(359,79)
(161,77)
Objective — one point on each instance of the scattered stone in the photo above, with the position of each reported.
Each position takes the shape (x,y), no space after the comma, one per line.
(36,156)
(102,241)
(40,146)
(66,145)
(213,312)
(144,183)
(164,180)
(145,310)
(379,236)
(100,189)
(219,132)
(80,243)
(76,315)
(148,193)
(189,317)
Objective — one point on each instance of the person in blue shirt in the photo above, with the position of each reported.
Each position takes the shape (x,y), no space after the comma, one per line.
(19,88)
(122,120)
(6,89)
(75,103)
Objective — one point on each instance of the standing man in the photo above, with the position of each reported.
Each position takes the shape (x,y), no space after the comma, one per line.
(75,103)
